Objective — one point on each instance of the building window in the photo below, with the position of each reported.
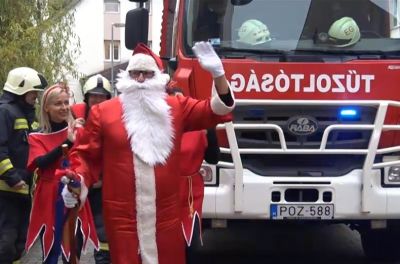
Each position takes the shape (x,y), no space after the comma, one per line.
(108,50)
(111,6)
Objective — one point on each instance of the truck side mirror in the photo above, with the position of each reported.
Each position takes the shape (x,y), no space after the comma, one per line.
(136,27)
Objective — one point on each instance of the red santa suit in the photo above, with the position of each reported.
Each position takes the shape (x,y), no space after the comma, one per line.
(42,217)
(139,197)
(137,138)
(194,145)
(79,110)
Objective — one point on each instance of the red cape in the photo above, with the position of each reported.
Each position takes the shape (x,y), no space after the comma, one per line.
(45,195)
(193,147)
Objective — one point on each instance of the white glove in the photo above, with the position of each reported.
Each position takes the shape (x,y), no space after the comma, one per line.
(208,59)
(69,199)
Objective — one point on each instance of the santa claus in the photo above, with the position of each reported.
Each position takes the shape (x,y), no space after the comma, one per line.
(136,137)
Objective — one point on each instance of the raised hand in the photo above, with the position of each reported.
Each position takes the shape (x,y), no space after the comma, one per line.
(208,59)
(71,134)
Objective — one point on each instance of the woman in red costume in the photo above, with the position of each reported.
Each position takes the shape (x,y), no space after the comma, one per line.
(48,212)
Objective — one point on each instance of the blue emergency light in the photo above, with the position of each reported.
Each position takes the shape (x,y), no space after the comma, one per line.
(349,113)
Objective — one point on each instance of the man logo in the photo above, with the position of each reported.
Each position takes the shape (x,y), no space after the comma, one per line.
(302,125)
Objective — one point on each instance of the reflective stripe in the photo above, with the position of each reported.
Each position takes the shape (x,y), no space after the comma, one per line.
(104,246)
(21,123)
(5,188)
(35,125)
(35,179)
(16,262)
(5,165)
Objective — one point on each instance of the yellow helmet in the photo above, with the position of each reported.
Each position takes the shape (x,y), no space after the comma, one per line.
(97,85)
(344,32)
(24,79)
(254,32)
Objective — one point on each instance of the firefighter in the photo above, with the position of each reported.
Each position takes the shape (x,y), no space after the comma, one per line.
(254,32)
(96,90)
(17,119)
(344,32)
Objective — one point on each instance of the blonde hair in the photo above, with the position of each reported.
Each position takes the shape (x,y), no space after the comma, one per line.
(48,95)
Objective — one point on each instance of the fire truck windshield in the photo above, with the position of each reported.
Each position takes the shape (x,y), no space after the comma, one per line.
(359,26)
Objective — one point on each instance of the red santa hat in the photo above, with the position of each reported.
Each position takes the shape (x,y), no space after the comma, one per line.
(144,59)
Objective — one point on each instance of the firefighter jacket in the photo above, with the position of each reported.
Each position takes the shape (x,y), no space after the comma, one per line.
(16,122)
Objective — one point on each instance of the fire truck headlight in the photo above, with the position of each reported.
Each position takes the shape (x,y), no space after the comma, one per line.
(207,172)
(394,175)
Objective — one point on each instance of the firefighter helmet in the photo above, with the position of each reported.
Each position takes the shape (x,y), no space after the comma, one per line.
(23,79)
(344,32)
(254,32)
(97,85)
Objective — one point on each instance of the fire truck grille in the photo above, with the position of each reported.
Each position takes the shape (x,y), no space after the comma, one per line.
(286,117)
(303,128)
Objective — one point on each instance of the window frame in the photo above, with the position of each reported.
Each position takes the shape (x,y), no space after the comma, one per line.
(110,3)
(117,45)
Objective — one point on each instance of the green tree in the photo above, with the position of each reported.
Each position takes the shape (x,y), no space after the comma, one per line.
(38,34)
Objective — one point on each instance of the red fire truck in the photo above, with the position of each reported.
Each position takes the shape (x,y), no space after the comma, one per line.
(315,130)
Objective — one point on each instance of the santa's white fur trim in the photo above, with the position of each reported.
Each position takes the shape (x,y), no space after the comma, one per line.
(146,210)
(142,62)
(219,107)
(147,118)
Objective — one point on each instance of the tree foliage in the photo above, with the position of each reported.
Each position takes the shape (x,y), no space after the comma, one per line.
(38,34)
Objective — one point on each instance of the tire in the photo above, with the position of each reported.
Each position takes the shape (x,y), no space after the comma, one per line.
(381,244)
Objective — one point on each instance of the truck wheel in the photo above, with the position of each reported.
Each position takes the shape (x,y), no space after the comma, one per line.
(381,244)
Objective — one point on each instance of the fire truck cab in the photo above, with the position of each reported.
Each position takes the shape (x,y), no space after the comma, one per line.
(315,130)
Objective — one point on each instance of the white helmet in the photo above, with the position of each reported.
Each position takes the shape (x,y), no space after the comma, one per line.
(254,32)
(97,85)
(344,32)
(22,80)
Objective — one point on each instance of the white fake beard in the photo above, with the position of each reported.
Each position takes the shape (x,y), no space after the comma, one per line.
(147,117)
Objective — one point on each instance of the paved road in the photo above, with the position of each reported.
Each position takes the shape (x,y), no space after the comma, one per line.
(264,243)
(35,256)
(288,244)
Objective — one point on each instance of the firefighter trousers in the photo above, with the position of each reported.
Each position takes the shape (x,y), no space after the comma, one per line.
(14,220)
(103,255)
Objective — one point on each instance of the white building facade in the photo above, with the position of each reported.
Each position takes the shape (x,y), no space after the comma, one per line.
(98,23)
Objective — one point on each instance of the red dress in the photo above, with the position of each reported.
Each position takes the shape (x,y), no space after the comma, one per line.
(46,194)
(126,215)
(194,145)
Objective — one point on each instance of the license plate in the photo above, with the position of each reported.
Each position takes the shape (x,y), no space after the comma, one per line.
(302,211)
